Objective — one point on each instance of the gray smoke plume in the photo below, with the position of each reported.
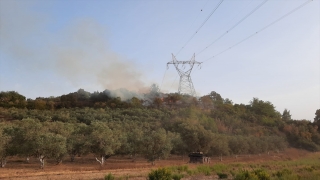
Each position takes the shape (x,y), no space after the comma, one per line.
(124,94)
(84,53)
(148,94)
(77,52)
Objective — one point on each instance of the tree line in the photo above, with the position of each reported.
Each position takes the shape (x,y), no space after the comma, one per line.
(153,127)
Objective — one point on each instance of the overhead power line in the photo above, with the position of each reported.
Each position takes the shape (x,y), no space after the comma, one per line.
(198,15)
(262,29)
(245,17)
(163,79)
(204,22)
(187,31)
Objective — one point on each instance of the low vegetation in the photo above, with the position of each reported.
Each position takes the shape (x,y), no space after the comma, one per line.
(304,168)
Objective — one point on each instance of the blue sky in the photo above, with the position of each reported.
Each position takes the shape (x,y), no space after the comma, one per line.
(53,47)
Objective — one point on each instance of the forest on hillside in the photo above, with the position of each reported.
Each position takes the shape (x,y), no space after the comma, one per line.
(154,126)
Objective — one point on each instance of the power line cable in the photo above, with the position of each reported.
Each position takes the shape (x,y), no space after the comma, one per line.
(177,75)
(262,29)
(238,13)
(204,22)
(163,79)
(198,15)
(241,20)
(174,81)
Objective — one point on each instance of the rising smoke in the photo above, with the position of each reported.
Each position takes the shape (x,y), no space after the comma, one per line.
(77,52)
(124,94)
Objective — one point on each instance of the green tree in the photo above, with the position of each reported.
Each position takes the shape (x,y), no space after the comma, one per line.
(195,136)
(179,147)
(77,141)
(103,141)
(286,116)
(216,97)
(12,99)
(4,144)
(69,100)
(263,108)
(317,119)
(265,112)
(219,145)
(135,102)
(134,139)
(24,134)
(157,144)
(227,101)
(238,145)
(31,138)
(59,128)
(83,95)
(206,102)
(40,104)
(49,145)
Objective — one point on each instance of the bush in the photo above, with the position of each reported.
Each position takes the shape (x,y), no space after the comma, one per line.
(246,175)
(190,172)
(262,175)
(179,169)
(182,168)
(109,177)
(257,174)
(309,169)
(160,174)
(308,145)
(282,173)
(177,176)
(222,175)
(219,167)
(204,170)
(292,177)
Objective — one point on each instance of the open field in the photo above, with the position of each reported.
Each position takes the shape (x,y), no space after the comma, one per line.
(123,167)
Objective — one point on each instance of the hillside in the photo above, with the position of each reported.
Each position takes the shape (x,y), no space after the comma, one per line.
(153,127)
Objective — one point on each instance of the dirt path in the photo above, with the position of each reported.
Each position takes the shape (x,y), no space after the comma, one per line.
(88,168)
(96,174)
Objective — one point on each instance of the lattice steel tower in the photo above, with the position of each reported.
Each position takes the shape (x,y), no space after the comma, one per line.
(185,83)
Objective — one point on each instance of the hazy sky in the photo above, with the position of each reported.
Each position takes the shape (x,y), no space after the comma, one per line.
(53,47)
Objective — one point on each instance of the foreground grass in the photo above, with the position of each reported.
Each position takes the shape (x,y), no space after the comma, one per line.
(299,169)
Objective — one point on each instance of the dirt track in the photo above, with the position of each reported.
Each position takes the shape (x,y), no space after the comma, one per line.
(88,168)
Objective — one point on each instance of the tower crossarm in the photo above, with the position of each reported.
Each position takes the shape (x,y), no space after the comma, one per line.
(184,62)
(176,63)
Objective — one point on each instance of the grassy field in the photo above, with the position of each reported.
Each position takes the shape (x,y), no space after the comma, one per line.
(290,164)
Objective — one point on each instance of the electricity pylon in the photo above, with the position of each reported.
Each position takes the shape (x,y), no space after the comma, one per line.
(185,83)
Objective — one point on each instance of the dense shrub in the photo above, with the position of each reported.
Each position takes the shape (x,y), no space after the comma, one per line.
(222,175)
(246,175)
(109,177)
(177,176)
(262,175)
(160,174)
(257,174)
(204,169)
(282,173)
